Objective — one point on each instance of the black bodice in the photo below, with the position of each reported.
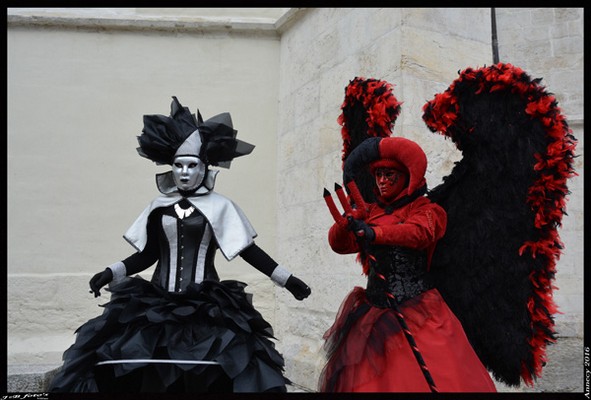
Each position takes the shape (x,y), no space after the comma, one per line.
(397,270)
(187,251)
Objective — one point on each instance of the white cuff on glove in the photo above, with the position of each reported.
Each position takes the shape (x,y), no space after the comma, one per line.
(119,271)
(280,276)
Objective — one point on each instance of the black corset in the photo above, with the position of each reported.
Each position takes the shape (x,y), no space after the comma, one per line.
(400,271)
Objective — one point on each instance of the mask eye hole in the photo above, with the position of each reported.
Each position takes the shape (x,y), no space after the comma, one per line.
(387,174)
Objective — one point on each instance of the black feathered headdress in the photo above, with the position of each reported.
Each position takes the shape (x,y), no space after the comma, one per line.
(215,140)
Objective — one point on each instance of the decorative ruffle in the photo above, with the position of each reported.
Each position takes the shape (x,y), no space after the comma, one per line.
(211,321)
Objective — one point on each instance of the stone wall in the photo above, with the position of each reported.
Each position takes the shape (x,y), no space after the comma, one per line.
(420,51)
(548,43)
(411,48)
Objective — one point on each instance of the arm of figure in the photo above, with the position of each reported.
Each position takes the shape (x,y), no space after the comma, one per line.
(257,257)
(131,265)
(420,230)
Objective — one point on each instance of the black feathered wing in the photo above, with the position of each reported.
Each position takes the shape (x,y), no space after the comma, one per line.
(504,199)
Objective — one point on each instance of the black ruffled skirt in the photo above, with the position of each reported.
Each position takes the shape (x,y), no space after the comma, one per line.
(212,321)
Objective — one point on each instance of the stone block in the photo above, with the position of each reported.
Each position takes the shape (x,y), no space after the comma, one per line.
(30,378)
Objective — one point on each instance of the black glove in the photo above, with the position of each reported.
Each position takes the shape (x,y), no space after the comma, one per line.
(100,280)
(362,230)
(298,288)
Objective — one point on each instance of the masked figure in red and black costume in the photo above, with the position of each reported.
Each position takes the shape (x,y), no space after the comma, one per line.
(460,278)
(368,348)
(185,331)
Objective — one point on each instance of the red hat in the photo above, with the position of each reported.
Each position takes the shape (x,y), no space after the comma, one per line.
(395,152)
(403,155)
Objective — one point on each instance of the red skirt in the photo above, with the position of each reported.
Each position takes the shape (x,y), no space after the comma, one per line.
(368,352)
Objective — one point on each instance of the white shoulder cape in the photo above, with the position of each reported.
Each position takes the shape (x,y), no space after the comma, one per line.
(232,230)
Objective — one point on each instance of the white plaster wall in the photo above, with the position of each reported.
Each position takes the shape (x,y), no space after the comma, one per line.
(76,98)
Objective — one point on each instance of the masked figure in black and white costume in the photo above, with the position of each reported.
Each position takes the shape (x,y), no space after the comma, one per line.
(185,330)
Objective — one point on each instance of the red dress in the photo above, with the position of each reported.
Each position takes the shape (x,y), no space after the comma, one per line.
(366,347)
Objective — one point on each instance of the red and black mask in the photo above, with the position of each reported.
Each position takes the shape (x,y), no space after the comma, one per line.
(390,182)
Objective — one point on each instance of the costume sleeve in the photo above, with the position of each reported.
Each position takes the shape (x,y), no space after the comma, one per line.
(422,228)
(259,259)
(342,240)
(149,255)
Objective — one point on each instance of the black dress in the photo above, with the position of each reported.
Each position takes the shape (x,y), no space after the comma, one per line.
(185,331)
